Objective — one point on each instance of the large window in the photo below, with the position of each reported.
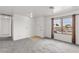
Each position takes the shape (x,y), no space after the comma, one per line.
(67,25)
(57,26)
(63,25)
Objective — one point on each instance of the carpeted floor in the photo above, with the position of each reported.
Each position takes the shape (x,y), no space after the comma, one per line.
(37,46)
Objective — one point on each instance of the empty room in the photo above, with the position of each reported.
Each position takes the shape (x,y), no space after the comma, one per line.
(39,29)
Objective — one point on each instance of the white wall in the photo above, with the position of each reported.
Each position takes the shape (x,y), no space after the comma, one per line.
(39,26)
(21,27)
(24,27)
(43,26)
(47,27)
(77,29)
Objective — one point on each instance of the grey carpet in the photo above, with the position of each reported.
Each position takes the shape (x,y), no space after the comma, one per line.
(5,38)
(37,46)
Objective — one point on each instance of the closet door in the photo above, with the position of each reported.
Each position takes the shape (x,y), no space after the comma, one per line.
(5,26)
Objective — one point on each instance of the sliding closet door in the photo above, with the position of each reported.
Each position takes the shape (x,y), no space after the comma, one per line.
(5,26)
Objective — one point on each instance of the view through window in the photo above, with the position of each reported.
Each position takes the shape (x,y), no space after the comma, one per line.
(57,26)
(67,25)
(63,25)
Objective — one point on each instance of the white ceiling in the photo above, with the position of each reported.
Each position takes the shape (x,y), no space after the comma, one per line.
(35,10)
(26,10)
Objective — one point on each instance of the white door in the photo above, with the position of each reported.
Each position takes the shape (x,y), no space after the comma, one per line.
(5,26)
